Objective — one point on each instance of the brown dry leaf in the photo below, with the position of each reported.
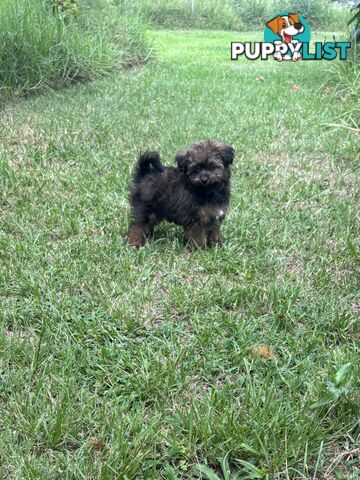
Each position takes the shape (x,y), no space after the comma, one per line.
(96,443)
(296,87)
(263,351)
(341,469)
(260,78)
(355,336)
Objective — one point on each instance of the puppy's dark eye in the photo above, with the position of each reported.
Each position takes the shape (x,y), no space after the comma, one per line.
(216,166)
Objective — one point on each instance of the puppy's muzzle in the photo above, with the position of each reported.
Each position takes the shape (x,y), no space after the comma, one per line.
(204,179)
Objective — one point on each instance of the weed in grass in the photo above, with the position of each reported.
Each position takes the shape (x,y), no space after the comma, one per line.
(346,80)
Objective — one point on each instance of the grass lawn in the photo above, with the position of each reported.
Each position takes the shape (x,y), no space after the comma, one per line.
(119,363)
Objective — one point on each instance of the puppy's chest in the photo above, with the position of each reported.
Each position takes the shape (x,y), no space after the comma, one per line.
(209,213)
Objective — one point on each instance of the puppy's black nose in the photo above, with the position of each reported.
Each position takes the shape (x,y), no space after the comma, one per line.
(204,179)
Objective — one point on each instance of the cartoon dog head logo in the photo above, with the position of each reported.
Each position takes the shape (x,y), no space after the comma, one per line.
(286,26)
(281,31)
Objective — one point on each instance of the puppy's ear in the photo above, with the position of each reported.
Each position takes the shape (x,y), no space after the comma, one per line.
(227,153)
(275,24)
(181,159)
(294,17)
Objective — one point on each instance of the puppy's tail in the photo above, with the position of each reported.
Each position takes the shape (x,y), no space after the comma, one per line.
(144,164)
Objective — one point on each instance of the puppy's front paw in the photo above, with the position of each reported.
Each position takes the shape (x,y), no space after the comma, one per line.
(219,242)
(196,236)
(214,237)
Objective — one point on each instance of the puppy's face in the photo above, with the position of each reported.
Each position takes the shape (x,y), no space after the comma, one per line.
(206,165)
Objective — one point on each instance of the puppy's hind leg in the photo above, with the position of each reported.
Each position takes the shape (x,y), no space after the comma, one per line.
(138,231)
(152,220)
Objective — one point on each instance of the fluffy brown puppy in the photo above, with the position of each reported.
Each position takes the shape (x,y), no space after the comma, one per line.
(195,194)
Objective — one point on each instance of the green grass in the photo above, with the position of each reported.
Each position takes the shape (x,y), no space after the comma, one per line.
(208,14)
(41,50)
(345,78)
(234,14)
(119,363)
(323,15)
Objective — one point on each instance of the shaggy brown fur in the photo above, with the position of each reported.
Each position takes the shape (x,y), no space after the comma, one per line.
(195,194)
